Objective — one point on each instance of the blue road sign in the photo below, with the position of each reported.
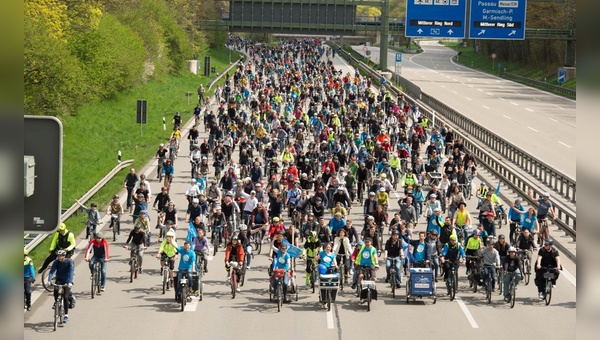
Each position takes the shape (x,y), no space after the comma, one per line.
(398,57)
(436,18)
(497,19)
(561,75)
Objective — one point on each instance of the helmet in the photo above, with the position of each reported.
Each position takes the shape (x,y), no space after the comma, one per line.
(453,238)
(283,246)
(234,238)
(229,193)
(171,233)
(549,241)
(491,240)
(482,183)
(395,232)
(275,219)
(25,251)
(434,232)
(218,207)
(61,252)
(136,228)
(545,194)
(370,218)
(243,227)
(99,235)
(94,205)
(382,189)
(360,242)
(512,249)
(454,181)
(169,222)
(195,200)
(383,176)
(322,269)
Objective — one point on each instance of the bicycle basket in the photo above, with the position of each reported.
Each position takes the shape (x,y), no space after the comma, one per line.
(549,275)
(278,272)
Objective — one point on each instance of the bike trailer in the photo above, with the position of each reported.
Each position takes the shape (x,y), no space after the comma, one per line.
(329,281)
(368,286)
(195,282)
(421,281)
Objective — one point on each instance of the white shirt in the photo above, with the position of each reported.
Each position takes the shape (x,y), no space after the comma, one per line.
(192,190)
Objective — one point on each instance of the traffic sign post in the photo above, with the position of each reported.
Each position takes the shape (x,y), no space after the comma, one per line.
(497,19)
(436,18)
(493,60)
(561,76)
(398,63)
(141,113)
(43,173)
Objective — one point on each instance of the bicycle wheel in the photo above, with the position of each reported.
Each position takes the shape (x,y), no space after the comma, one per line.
(455,284)
(45,280)
(527,274)
(451,283)
(474,284)
(408,284)
(132,269)
(165,279)
(312,280)
(368,300)
(279,295)
(488,290)
(500,281)
(183,296)
(513,294)
(94,274)
(393,283)
(114,230)
(57,309)
(342,275)
(215,242)
(232,274)
(548,292)
(328,300)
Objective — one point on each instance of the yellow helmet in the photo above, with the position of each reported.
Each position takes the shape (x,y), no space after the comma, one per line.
(383,176)
(62,226)
(26,251)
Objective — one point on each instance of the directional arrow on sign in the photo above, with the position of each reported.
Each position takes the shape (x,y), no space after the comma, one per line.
(450,31)
(419,31)
(481,32)
(513,32)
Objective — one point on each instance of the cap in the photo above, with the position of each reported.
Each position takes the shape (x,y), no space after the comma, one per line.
(360,242)
(383,176)
(433,195)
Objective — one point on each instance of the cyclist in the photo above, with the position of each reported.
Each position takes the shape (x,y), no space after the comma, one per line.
(435,221)
(514,267)
(144,224)
(525,243)
(451,254)
(234,252)
(167,251)
(138,238)
(129,183)
(342,247)
(93,218)
(245,242)
(64,268)
(548,259)
(545,205)
(194,210)
(218,221)
(481,194)
(311,247)
(29,278)
(393,250)
(367,257)
(336,223)
(187,262)
(275,227)
(462,219)
(515,213)
(328,259)
(258,220)
(115,208)
(282,261)
(530,222)
(98,250)
(434,250)
(502,248)
(474,244)
(491,261)
(62,240)
(201,247)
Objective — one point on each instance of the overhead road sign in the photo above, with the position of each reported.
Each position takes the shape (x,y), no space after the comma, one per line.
(436,18)
(497,19)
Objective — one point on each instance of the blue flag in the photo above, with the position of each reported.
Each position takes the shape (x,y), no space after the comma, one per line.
(497,192)
(192,233)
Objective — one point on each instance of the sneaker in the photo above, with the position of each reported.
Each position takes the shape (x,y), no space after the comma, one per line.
(101,289)
(397,285)
(540,295)
(205,270)
(353,286)
(506,299)
(54,305)
(553,286)
(237,289)
(65,319)
(287,300)
(28,307)
(248,267)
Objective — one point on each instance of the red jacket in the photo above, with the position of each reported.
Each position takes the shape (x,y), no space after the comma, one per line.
(100,249)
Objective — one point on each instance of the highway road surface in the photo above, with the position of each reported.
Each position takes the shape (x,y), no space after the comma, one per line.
(539,122)
(140,310)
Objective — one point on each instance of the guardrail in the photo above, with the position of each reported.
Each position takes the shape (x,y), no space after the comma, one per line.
(566,218)
(545,173)
(34,239)
(540,84)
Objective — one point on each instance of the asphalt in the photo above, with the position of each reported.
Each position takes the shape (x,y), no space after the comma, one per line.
(139,309)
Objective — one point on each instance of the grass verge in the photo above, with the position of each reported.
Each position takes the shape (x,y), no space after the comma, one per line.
(96,132)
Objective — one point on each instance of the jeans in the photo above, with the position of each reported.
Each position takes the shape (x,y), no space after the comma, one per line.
(180,274)
(248,255)
(507,277)
(490,270)
(398,265)
(129,196)
(95,259)
(67,294)
(435,264)
(27,289)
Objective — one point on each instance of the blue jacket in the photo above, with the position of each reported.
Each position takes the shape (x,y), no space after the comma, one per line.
(64,271)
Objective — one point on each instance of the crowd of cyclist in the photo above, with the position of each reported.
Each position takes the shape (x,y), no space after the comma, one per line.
(294,145)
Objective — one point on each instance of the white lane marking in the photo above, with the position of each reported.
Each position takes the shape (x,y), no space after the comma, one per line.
(507,116)
(448,77)
(501,98)
(480,90)
(559,107)
(568,146)
(454,79)
(528,109)
(329,320)
(552,119)
(532,129)
(500,86)
(486,107)
(442,86)
(467,313)
(469,99)
(489,94)
(514,103)
(570,277)
(469,85)
(191,306)
(454,92)
(422,76)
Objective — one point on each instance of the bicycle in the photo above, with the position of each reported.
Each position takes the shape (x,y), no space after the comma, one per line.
(165,272)
(365,284)
(216,238)
(343,271)
(515,233)
(549,275)
(278,275)
(45,273)
(474,271)
(96,278)
(184,287)
(393,276)
(313,274)
(452,282)
(526,265)
(200,266)
(544,231)
(256,240)
(512,289)
(115,222)
(488,284)
(134,260)
(59,310)
(500,277)
(234,277)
